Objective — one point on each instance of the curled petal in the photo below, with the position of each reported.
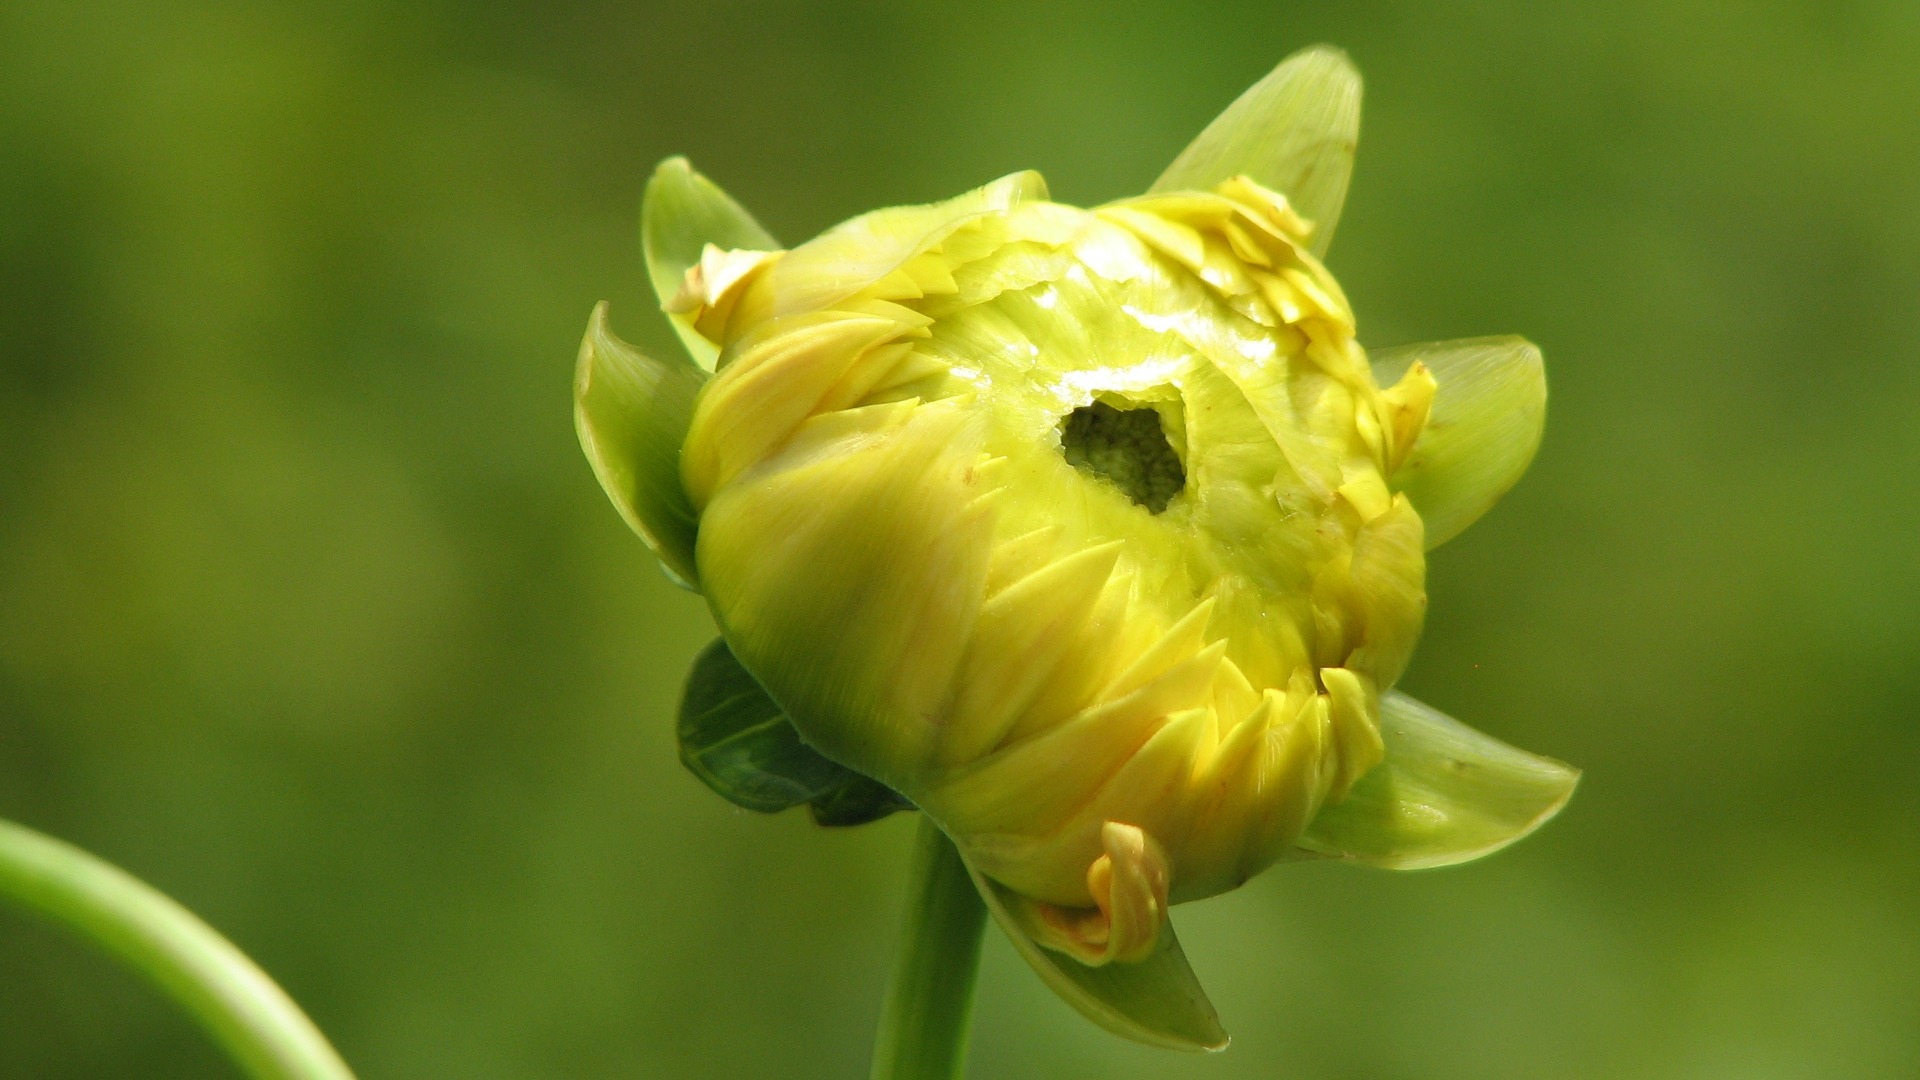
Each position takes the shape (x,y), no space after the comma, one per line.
(632,413)
(1444,794)
(1156,1000)
(684,212)
(1293,131)
(1489,407)
(1128,883)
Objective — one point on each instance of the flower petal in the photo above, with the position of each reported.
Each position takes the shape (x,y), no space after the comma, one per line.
(632,412)
(1445,794)
(1485,424)
(1157,1001)
(681,214)
(1293,131)
(846,571)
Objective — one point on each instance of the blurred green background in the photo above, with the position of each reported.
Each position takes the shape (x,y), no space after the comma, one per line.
(312,614)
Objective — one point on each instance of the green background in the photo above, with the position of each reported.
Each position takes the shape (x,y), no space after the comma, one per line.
(312,614)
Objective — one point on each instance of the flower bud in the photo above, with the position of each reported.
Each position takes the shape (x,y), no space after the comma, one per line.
(1059,520)
(1093,533)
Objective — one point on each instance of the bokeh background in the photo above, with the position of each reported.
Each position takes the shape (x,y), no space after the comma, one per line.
(312,614)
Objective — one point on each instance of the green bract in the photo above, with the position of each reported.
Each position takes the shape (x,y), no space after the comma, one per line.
(1093,534)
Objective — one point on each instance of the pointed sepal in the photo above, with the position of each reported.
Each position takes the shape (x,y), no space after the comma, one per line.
(1489,408)
(1294,131)
(680,215)
(632,412)
(739,742)
(1157,1001)
(1445,794)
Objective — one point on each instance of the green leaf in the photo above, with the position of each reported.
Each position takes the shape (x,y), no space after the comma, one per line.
(1488,413)
(738,742)
(736,739)
(1157,1001)
(1293,131)
(1445,794)
(680,215)
(632,412)
(860,800)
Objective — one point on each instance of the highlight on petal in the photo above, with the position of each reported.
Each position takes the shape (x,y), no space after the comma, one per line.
(890,254)
(632,412)
(739,742)
(682,213)
(1488,411)
(1157,1000)
(1294,131)
(1445,794)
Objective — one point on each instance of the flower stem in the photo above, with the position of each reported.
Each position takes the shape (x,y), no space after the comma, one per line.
(243,1009)
(923,1027)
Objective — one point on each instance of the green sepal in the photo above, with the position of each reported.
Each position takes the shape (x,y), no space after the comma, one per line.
(739,742)
(1294,131)
(1489,409)
(680,215)
(1444,794)
(632,412)
(1158,1001)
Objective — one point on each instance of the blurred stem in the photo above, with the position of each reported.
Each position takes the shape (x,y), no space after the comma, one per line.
(250,1016)
(923,1027)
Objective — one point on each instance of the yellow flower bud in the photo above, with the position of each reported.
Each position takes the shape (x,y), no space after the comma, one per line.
(1058,521)
(1095,534)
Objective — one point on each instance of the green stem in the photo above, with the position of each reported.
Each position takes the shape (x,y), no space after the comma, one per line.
(923,1027)
(132,922)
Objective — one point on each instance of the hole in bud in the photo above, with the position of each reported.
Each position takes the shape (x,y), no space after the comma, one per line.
(1127,447)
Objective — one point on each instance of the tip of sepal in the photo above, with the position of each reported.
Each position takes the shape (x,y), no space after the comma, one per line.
(1325,52)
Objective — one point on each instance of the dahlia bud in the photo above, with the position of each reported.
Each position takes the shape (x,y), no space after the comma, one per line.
(1093,534)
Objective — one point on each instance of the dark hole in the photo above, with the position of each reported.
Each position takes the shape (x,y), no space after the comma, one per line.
(1126,447)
